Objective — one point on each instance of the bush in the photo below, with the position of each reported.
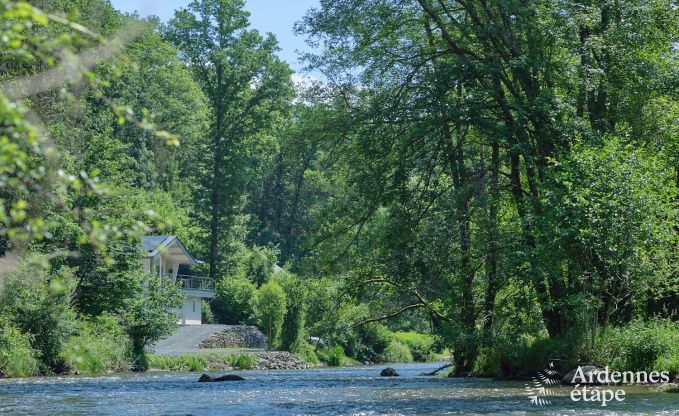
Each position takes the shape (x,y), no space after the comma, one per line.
(100,346)
(201,362)
(149,316)
(206,315)
(38,302)
(304,351)
(17,358)
(373,339)
(640,346)
(234,299)
(295,317)
(271,310)
(188,362)
(332,356)
(242,361)
(397,352)
(526,355)
(421,345)
(258,264)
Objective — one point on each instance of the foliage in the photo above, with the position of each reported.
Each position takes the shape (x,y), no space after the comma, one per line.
(17,357)
(206,315)
(472,181)
(271,309)
(234,300)
(527,355)
(420,345)
(473,171)
(248,89)
(150,315)
(37,301)
(397,352)
(651,345)
(98,347)
(186,362)
(292,332)
(242,361)
(201,362)
(332,356)
(304,351)
(370,343)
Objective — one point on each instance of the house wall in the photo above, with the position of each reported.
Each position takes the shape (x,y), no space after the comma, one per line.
(189,314)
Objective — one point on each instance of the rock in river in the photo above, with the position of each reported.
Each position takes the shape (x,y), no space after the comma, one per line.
(227,377)
(389,372)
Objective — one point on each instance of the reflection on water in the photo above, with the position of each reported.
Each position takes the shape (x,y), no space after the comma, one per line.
(344,391)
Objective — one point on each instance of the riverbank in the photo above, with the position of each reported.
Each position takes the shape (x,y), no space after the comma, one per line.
(259,360)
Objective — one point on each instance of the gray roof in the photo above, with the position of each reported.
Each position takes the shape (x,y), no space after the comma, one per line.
(150,242)
(153,244)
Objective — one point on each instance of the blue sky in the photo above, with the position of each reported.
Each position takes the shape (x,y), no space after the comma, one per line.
(275,16)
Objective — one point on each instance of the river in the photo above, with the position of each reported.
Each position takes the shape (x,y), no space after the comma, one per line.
(326,391)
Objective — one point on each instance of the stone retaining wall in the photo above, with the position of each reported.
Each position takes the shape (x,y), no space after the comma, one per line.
(236,336)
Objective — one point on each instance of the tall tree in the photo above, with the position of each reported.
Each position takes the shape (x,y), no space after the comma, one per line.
(249,89)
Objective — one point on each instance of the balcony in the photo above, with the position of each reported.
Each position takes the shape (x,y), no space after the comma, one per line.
(198,286)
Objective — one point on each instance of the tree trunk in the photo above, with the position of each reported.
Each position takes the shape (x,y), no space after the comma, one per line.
(492,258)
(215,196)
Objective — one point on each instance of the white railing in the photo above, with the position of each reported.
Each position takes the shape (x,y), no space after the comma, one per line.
(194,282)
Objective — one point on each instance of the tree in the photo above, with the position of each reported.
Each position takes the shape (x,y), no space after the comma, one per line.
(448,117)
(248,88)
(292,331)
(271,309)
(150,315)
(234,300)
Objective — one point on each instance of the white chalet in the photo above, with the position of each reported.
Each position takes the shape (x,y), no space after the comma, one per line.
(166,257)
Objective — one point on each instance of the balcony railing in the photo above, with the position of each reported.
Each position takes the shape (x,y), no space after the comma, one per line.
(194,282)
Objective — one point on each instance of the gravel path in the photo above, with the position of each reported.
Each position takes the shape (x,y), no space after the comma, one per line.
(186,338)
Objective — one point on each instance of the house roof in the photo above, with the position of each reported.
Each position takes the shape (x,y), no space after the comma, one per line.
(155,244)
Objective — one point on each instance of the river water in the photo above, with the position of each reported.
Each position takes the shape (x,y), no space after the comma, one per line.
(322,391)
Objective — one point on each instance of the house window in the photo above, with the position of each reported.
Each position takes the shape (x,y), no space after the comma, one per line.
(194,305)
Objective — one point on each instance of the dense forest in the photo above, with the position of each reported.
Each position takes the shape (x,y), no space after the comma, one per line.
(493,180)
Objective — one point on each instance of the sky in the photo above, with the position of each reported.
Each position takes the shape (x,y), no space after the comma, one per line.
(275,16)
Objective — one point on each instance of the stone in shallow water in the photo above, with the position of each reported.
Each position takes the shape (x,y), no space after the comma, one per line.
(204,378)
(389,372)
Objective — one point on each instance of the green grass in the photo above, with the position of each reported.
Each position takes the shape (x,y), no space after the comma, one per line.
(640,345)
(202,362)
(242,361)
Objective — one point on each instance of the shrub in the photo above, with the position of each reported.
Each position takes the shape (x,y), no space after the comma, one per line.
(332,356)
(258,264)
(206,315)
(373,339)
(271,310)
(526,355)
(295,317)
(17,358)
(234,298)
(304,351)
(37,302)
(397,352)
(242,361)
(188,362)
(640,345)
(149,316)
(421,345)
(100,346)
